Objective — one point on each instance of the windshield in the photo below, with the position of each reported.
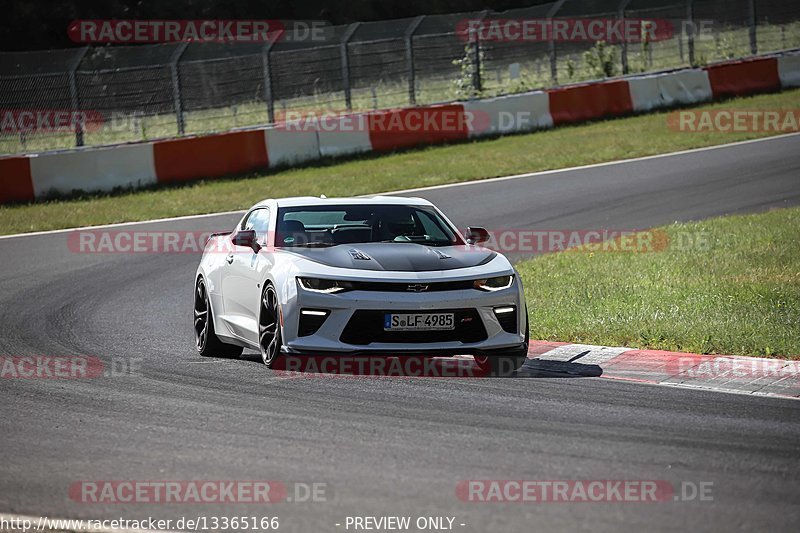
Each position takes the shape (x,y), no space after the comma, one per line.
(352,224)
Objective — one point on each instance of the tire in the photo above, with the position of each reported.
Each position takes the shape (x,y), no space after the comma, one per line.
(206,340)
(505,363)
(269,329)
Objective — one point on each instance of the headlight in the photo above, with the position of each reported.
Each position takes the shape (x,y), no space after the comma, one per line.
(327,286)
(493,284)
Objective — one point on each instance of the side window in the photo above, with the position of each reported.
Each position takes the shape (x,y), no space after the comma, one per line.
(258,220)
(432,228)
(245,221)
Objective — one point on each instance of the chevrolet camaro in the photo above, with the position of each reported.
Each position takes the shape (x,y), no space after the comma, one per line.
(354,276)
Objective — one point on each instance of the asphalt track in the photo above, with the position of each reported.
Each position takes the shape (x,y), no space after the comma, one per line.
(388,446)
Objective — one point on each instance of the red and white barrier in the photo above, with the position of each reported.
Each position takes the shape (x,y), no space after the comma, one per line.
(738,78)
(345,135)
(689,86)
(397,129)
(669,89)
(95,169)
(579,103)
(509,114)
(645,93)
(789,70)
(210,156)
(16,185)
(286,147)
(25,178)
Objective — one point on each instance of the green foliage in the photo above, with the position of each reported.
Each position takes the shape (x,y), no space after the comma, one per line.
(471,66)
(571,68)
(601,60)
(726,46)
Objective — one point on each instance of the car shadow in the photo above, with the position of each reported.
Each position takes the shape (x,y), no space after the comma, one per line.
(542,368)
(410,367)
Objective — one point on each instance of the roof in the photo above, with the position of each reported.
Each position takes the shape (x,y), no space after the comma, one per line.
(299,201)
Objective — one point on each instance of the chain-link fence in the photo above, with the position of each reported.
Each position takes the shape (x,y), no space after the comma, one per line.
(102,95)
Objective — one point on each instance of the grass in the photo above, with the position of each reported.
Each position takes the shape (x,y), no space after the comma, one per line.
(596,142)
(738,293)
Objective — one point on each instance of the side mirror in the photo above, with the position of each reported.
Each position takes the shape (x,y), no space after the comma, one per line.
(476,235)
(246,238)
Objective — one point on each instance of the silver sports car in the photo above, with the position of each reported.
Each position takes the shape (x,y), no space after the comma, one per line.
(380,275)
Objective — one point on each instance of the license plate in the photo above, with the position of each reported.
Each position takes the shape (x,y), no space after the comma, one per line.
(418,321)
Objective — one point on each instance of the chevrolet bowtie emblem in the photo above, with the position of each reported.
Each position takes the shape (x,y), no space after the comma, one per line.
(417,288)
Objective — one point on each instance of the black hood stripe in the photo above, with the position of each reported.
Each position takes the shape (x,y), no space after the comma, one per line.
(399,257)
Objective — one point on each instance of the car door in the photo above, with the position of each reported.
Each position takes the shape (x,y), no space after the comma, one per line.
(241,289)
(254,270)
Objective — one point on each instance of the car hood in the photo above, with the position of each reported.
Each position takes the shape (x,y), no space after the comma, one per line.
(403,257)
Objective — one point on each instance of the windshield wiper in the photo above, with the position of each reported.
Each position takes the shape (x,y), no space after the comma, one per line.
(314,245)
(426,243)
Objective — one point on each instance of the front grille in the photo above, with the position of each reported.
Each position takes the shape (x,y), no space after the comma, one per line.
(403,287)
(508,321)
(366,326)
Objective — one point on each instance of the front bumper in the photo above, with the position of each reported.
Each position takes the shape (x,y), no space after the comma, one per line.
(340,325)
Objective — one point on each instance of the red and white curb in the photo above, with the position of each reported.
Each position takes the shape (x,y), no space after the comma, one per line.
(724,373)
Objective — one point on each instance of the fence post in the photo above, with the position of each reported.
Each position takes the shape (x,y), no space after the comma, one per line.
(176,85)
(624,52)
(269,98)
(751,21)
(476,61)
(690,36)
(348,34)
(73,92)
(409,38)
(475,38)
(552,43)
